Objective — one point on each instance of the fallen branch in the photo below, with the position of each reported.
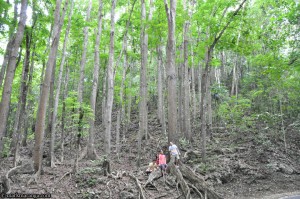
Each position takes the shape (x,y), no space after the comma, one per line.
(141,189)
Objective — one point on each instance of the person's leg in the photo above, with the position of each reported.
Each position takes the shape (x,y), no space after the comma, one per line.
(173,159)
(177,160)
(161,169)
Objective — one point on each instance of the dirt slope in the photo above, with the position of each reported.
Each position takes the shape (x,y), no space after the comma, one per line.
(239,166)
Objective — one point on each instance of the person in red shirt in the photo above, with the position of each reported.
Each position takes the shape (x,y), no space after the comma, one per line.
(162,162)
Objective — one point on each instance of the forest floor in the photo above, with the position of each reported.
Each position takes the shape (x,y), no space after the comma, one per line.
(240,165)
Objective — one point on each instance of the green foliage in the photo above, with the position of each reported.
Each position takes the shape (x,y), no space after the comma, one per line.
(72,113)
(235,113)
(203,168)
(6,148)
(184,142)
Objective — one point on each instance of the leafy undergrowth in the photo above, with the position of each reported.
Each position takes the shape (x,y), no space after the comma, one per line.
(239,165)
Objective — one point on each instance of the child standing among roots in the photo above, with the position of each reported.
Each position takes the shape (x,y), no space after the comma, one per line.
(162,162)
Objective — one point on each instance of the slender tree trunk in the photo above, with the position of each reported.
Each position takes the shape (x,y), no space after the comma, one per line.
(193,98)
(56,100)
(104,94)
(10,72)
(121,107)
(110,84)
(209,108)
(63,115)
(91,152)
(128,112)
(186,86)
(160,90)
(171,72)
(205,82)
(121,110)
(180,74)
(22,102)
(9,46)
(199,84)
(143,112)
(203,104)
(41,113)
(81,83)
(50,107)
(25,117)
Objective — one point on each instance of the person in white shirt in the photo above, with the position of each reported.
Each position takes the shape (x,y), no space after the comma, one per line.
(174,151)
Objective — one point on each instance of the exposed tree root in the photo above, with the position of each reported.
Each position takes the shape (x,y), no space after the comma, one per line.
(141,189)
(153,176)
(198,182)
(196,190)
(67,173)
(91,156)
(26,168)
(183,185)
(68,194)
(161,196)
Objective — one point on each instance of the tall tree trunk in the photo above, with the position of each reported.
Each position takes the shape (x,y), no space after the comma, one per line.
(203,103)
(129,98)
(10,72)
(91,153)
(209,108)
(9,46)
(22,101)
(193,87)
(120,106)
(110,83)
(160,90)
(120,111)
(56,100)
(81,83)
(180,74)
(104,94)
(25,117)
(171,72)
(205,81)
(63,115)
(186,90)
(41,113)
(143,112)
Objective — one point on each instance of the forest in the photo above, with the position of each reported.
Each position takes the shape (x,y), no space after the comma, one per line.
(92,90)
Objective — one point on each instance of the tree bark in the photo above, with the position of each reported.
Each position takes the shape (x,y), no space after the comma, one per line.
(160,90)
(91,153)
(41,113)
(9,46)
(81,83)
(171,72)
(61,69)
(186,86)
(10,72)
(110,84)
(63,115)
(22,102)
(104,94)
(24,118)
(143,111)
